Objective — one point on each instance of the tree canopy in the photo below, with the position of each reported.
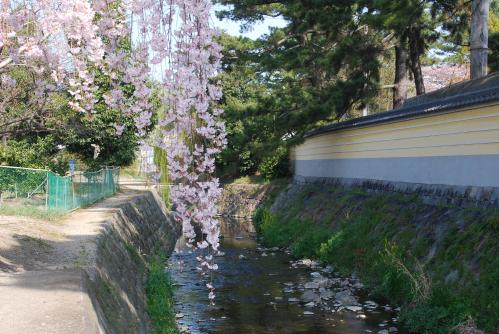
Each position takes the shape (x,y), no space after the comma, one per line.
(316,69)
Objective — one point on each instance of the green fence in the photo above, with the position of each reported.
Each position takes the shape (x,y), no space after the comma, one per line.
(45,189)
(81,189)
(22,185)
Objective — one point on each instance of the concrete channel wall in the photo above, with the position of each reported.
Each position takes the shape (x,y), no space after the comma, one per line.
(137,228)
(84,273)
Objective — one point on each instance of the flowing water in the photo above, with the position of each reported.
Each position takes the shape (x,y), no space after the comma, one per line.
(254,286)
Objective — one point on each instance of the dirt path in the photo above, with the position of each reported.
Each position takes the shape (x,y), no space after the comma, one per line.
(41,288)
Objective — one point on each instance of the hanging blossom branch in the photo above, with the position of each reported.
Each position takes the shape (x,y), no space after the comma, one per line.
(63,44)
(70,37)
(54,39)
(192,130)
(124,65)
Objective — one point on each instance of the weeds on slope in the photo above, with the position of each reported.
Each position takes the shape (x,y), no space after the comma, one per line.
(160,298)
(389,242)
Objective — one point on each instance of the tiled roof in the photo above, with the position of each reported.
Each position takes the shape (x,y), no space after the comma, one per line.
(463,94)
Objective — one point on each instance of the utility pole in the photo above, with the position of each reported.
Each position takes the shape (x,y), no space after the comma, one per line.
(479,37)
(365,111)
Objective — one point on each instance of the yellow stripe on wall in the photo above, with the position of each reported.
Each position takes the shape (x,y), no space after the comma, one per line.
(465,132)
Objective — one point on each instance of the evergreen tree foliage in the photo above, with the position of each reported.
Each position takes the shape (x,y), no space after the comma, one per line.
(494,36)
(312,71)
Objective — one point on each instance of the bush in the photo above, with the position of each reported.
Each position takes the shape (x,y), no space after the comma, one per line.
(440,314)
(302,237)
(276,165)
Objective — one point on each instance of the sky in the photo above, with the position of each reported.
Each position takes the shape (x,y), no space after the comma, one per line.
(233,27)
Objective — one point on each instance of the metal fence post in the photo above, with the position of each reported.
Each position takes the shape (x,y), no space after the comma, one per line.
(47,193)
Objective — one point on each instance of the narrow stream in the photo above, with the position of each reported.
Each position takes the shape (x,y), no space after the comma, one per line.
(264,291)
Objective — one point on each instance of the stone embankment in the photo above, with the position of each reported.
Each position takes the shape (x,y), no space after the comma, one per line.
(241,200)
(86,273)
(424,256)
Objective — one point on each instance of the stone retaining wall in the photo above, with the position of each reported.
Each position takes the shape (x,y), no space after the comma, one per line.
(463,196)
(241,200)
(137,228)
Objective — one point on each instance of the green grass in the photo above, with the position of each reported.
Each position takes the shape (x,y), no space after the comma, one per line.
(257,179)
(132,171)
(160,298)
(371,234)
(250,179)
(133,252)
(30,212)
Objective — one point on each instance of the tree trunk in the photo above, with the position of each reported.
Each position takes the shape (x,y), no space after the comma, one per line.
(400,83)
(416,49)
(479,38)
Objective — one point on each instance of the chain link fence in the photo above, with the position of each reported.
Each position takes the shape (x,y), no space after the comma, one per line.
(23,186)
(44,189)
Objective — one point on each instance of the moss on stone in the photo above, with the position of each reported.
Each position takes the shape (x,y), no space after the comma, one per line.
(109,301)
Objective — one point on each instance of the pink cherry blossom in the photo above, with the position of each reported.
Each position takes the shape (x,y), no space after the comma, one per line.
(71,38)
